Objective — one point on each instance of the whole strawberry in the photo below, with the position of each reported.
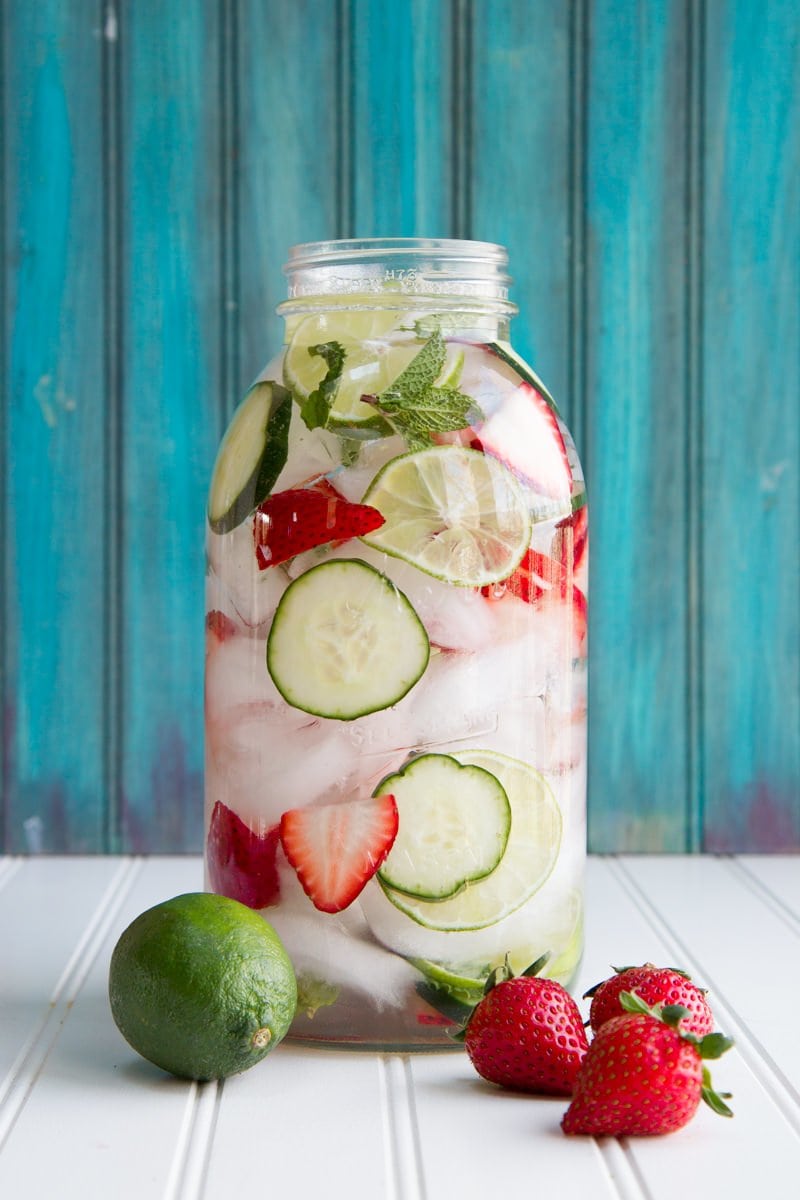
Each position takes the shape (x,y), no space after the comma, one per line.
(526,1033)
(655,985)
(644,1074)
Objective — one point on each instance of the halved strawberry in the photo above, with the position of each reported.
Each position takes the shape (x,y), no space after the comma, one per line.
(525,435)
(242,864)
(337,848)
(290,522)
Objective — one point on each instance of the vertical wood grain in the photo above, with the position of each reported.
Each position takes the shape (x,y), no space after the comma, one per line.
(637,432)
(751,424)
(640,161)
(520,170)
(54,471)
(171,180)
(401,119)
(288,150)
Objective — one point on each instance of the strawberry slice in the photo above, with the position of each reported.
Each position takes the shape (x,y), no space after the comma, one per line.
(290,522)
(242,864)
(335,849)
(539,580)
(571,540)
(524,434)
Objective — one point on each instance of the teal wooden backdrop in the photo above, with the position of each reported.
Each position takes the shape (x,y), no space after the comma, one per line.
(640,159)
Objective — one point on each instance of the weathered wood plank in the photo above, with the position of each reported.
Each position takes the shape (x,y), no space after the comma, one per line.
(400,119)
(53,504)
(171,173)
(751,427)
(288,149)
(637,431)
(520,172)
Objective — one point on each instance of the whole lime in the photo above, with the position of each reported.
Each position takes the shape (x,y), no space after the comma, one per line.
(201,986)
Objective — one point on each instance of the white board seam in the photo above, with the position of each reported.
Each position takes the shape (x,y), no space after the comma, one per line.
(404,1173)
(189,1166)
(8,869)
(764,893)
(26,1068)
(621,1169)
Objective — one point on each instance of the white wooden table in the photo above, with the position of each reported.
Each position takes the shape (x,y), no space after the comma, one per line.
(81,1116)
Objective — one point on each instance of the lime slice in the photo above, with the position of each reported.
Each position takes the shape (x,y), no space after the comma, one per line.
(455,513)
(465,989)
(376,351)
(531,852)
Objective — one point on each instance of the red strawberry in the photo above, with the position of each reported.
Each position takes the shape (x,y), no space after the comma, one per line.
(644,1074)
(524,434)
(542,580)
(526,1033)
(288,523)
(336,848)
(571,540)
(219,626)
(655,985)
(242,864)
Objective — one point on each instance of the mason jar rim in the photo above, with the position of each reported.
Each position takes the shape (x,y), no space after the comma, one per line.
(448,272)
(319,253)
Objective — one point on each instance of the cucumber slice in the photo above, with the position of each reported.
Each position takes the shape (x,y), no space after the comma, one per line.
(454,826)
(531,853)
(345,642)
(252,455)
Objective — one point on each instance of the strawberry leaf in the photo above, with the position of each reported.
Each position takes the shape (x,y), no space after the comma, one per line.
(714,1045)
(713,1099)
(633,1003)
(533,970)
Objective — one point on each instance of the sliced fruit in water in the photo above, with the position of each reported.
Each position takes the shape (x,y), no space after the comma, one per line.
(242,864)
(455,513)
(251,457)
(345,641)
(507,354)
(337,848)
(372,359)
(454,825)
(525,435)
(291,522)
(465,989)
(531,853)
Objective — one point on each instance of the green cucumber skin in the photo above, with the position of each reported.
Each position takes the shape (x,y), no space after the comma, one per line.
(288,694)
(417,894)
(270,463)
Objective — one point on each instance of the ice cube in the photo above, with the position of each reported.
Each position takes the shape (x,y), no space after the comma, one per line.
(323,947)
(253,594)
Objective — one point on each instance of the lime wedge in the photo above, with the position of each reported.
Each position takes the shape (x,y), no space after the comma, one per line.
(454,513)
(531,852)
(376,351)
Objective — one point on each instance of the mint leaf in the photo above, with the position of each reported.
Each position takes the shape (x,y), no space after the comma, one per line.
(422,372)
(317,408)
(416,408)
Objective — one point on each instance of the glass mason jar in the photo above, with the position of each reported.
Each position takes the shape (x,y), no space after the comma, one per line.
(396,645)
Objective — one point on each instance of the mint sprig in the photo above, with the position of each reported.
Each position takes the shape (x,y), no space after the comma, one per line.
(316,410)
(416,408)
